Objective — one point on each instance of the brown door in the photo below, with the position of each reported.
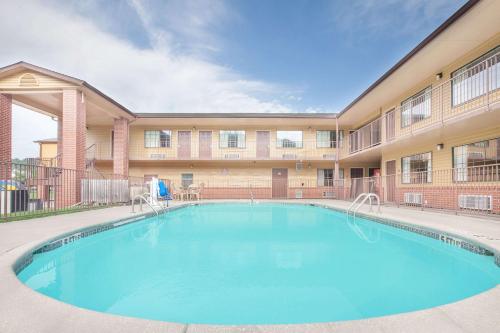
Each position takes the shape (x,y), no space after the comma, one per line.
(390,171)
(205,145)
(280,183)
(356,182)
(390,126)
(263,144)
(184,145)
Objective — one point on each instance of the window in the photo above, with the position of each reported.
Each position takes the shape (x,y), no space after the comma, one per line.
(232,139)
(289,139)
(478,161)
(186,179)
(326,176)
(476,78)
(417,169)
(157,138)
(416,108)
(328,139)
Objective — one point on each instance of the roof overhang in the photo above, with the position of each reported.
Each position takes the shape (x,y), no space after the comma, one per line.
(453,39)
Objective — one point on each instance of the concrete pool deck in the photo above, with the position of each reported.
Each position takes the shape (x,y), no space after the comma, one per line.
(24,310)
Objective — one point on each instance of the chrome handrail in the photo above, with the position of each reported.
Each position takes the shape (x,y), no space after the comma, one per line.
(141,198)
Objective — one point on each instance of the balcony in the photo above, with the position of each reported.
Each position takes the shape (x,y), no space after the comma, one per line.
(468,92)
(202,151)
(366,137)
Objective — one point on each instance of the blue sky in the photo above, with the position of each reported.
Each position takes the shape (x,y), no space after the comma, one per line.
(220,56)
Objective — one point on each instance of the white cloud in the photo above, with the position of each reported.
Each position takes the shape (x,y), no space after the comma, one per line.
(158,79)
(145,80)
(393,17)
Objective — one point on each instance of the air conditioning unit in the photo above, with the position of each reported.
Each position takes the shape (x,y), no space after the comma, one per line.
(299,194)
(412,198)
(328,195)
(299,166)
(157,156)
(329,156)
(289,156)
(232,156)
(476,202)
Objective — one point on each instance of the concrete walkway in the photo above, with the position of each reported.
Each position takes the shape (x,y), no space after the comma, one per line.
(23,310)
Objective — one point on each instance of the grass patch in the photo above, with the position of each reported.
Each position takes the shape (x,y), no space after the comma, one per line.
(35,214)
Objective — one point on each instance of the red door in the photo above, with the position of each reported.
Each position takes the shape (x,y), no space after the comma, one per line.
(280,183)
(205,145)
(263,138)
(184,146)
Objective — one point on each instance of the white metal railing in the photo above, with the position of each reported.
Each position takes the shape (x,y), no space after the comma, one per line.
(366,137)
(470,89)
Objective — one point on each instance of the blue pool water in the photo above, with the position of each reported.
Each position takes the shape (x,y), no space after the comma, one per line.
(260,264)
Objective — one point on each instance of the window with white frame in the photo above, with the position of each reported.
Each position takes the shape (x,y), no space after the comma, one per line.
(326,176)
(416,169)
(478,161)
(328,139)
(289,139)
(416,108)
(232,139)
(157,138)
(476,78)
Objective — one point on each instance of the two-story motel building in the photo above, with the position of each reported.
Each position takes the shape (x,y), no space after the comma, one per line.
(425,133)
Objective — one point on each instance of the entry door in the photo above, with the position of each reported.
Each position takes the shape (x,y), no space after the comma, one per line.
(184,145)
(390,171)
(263,150)
(356,182)
(280,183)
(205,145)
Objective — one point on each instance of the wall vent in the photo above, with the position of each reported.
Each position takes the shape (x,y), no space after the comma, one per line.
(232,156)
(157,156)
(28,80)
(329,156)
(414,199)
(476,202)
(328,194)
(289,156)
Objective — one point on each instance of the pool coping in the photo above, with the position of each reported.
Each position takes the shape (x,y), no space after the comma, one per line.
(446,314)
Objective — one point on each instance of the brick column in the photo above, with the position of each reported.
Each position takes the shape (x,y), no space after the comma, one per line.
(120,147)
(5,128)
(72,147)
(59,141)
(5,136)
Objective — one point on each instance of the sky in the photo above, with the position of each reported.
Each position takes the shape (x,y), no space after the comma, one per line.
(214,55)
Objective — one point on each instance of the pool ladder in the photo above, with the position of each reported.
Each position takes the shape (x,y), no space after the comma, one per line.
(360,201)
(143,197)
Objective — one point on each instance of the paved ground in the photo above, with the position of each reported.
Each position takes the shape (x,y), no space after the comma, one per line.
(23,310)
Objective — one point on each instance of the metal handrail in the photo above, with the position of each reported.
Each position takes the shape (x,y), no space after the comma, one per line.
(142,198)
(364,197)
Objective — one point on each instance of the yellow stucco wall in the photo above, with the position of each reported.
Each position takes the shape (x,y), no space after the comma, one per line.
(48,150)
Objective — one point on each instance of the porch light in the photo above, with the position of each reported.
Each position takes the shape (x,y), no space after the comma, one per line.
(440,146)
(439,76)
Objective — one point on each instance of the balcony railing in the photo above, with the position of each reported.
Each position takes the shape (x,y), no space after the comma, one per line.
(471,90)
(366,137)
(252,150)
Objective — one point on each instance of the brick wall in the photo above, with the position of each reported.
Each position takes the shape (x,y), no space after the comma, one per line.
(5,128)
(120,147)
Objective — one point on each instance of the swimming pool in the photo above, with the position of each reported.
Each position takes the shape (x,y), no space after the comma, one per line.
(258,264)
